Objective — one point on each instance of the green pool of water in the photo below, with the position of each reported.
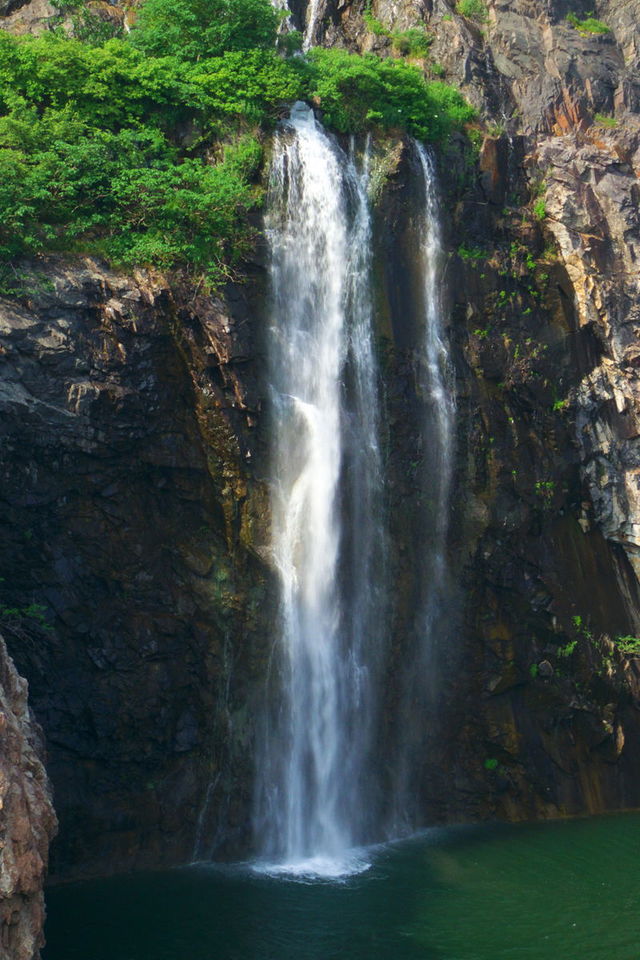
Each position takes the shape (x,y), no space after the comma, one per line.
(554,891)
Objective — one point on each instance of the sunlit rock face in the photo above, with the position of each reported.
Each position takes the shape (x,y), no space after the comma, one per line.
(27,820)
(593,198)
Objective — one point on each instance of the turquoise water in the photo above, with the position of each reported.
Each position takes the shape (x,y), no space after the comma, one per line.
(554,891)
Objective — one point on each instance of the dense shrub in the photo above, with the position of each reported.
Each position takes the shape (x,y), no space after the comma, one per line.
(193,29)
(357,91)
(105,149)
(145,149)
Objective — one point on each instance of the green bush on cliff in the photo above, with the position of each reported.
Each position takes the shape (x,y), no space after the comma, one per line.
(106,150)
(87,24)
(473,10)
(145,149)
(194,29)
(588,25)
(358,91)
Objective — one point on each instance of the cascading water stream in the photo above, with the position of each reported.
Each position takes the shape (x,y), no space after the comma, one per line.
(439,433)
(318,783)
(434,383)
(312,772)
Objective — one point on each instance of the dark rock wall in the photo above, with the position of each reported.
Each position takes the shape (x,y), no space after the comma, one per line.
(125,441)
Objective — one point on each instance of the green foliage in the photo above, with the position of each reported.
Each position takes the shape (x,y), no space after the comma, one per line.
(628,645)
(588,25)
(414,42)
(145,149)
(290,42)
(540,209)
(93,152)
(581,627)
(473,10)
(374,25)
(34,611)
(471,253)
(194,29)
(357,91)
(609,122)
(491,763)
(567,649)
(534,670)
(545,489)
(86,24)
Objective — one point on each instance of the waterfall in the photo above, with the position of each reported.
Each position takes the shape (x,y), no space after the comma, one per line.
(318,772)
(312,16)
(438,391)
(326,480)
(313,13)
(435,386)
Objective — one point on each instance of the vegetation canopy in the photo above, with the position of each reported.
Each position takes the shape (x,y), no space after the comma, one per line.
(145,149)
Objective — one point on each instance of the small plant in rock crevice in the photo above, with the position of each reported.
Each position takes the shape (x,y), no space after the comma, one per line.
(603,121)
(475,10)
(413,42)
(566,650)
(540,209)
(628,644)
(473,254)
(590,25)
(33,611)
(545,489)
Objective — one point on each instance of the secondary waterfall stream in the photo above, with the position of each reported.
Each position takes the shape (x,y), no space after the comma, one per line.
(434,377)
(318,789)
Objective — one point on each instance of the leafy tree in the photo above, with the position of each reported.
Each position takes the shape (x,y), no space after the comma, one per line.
(193,29)
(145,150)
(359,91)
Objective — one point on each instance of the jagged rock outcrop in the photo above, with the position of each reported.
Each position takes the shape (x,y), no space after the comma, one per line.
(27,820)
(592,199)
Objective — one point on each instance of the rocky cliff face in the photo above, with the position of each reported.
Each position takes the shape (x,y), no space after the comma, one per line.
(125,449)
(27,820)
(133,459)
(540,711)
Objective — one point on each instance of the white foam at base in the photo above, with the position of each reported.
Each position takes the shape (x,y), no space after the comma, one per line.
(315,869)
